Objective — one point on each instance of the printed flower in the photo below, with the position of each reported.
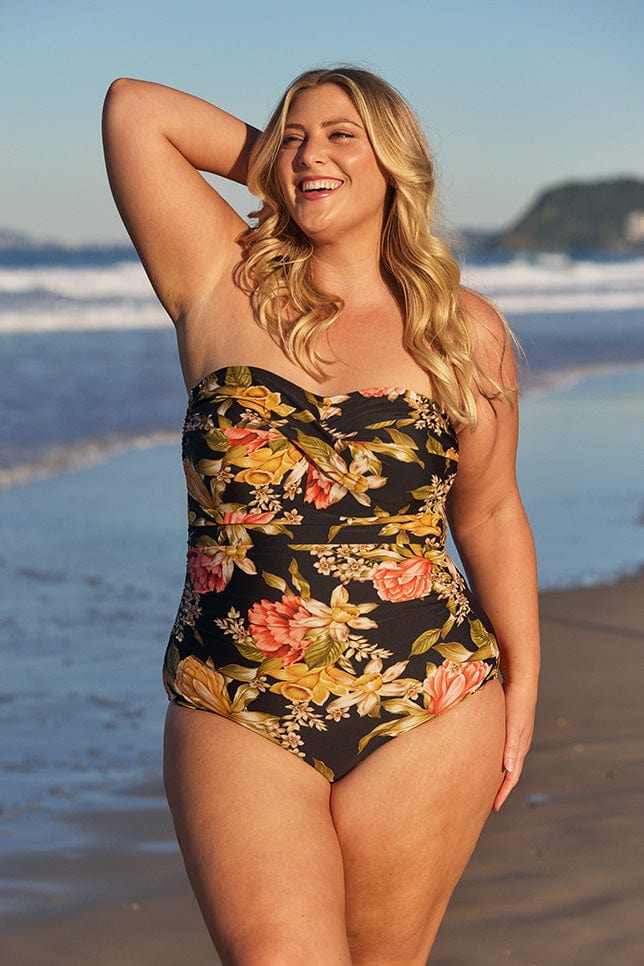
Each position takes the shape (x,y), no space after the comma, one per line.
(321,490)
(211,568)
(425,524)
(290,627)
(329,480)
(198,489)
(264,466)
(398,580)
(250,439)
(335,622)
(299,682)
(278,629)
(381,391)
(203,687)
(450,682)
(258,399)
(367,690)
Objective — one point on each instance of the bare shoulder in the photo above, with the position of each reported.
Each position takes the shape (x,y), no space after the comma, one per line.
(493,342)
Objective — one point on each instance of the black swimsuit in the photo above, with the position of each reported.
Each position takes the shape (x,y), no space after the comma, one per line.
(320,608)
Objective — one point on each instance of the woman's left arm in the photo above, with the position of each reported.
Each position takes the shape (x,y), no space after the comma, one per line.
(494,540)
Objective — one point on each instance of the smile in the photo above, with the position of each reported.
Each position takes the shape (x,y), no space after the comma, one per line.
(319,184)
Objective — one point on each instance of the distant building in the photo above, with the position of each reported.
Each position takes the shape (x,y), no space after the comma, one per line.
(634,227)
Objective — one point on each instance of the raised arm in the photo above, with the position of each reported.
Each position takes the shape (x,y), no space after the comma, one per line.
(157,140)
(494,540)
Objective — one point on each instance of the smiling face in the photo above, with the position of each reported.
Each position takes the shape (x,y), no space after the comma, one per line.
(328,173)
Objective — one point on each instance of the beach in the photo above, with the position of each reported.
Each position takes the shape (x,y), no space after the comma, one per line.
(92,555)
(556,879)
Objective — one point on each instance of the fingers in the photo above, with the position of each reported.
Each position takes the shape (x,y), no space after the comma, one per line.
(519,727)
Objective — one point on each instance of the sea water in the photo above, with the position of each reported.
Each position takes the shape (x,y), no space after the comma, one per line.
(92,505)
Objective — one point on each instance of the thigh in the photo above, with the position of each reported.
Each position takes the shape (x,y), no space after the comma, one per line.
(258,841)
(408,818)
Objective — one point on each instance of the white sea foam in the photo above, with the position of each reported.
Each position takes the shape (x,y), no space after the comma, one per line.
(77,456)
(120,296)
(125,279)
(557,283)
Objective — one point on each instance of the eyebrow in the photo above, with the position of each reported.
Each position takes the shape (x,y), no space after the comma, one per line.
(331,123)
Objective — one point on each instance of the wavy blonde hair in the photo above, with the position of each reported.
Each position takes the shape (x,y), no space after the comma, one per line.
(276,270)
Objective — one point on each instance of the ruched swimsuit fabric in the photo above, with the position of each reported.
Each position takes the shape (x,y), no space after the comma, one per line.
(320,608)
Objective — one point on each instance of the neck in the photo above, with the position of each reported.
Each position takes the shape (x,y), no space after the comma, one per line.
(343,266)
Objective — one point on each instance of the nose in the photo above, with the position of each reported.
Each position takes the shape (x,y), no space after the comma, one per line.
(311,152)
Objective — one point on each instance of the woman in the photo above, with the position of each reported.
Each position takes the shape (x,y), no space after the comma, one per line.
(356,733)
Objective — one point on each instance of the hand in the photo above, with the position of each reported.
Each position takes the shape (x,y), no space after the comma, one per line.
(520,704)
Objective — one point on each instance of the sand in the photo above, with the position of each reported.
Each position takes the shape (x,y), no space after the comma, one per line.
(557,878)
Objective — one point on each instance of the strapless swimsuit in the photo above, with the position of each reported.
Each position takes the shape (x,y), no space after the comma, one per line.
(320,608)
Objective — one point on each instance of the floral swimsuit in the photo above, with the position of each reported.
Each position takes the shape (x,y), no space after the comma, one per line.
(320,608)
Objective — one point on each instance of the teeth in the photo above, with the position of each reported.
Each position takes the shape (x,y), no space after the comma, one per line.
(321,184)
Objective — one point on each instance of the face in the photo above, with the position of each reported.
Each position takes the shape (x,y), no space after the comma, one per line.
(329,176)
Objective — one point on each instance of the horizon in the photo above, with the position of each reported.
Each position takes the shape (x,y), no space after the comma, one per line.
(514,97)
(123,241)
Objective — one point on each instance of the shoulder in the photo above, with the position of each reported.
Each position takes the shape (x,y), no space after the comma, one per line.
(493,343)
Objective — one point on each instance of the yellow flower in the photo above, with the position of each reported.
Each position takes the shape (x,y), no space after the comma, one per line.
(298,682)
(367,690)
(200,686)
(257,398)
(338,619)
(264,466)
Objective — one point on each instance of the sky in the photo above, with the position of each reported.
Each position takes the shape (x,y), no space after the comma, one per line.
(514,95)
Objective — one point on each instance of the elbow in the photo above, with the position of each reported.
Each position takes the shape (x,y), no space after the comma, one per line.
(124,92)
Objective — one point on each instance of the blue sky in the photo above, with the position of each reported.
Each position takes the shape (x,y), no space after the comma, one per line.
(514,95)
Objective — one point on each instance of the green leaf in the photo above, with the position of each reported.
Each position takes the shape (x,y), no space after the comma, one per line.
(323,769)
(216,440)
(301,585)
(423,493)
(278,583)
(324,650)
(433,446)
(480,636)
(383,425)
(426,640)
(454,652)
(391,729)
(318,450)
(304,416)
(249,650)
(447,626)
(173,658)
(238,672)
(402,439)
(238,376)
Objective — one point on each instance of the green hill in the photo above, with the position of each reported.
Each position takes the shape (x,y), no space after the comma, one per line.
(600,216)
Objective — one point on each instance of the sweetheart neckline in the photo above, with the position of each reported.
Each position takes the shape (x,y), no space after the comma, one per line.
(381,390)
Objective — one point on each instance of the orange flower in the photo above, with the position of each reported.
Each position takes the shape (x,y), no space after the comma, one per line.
(278,630)
(250,439)
(211,569)
(321,490)
(398,580)
(450,682)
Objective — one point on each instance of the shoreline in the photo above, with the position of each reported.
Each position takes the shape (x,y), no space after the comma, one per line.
(555,878)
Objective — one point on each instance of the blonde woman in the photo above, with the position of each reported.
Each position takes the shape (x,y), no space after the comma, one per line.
(338,731)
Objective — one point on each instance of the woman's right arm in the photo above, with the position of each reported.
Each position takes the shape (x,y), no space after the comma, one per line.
(157,140)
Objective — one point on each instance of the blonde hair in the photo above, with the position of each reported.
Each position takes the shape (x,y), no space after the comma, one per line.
(276,268)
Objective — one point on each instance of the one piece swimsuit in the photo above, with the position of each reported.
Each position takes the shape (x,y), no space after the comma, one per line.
(320,608)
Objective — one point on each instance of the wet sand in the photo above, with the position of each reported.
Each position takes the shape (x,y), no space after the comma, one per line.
(556,880)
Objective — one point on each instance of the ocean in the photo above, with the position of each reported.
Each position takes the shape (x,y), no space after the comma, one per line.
(92,504)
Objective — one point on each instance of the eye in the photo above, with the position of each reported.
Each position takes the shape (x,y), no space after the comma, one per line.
(340,135)
(290,139)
